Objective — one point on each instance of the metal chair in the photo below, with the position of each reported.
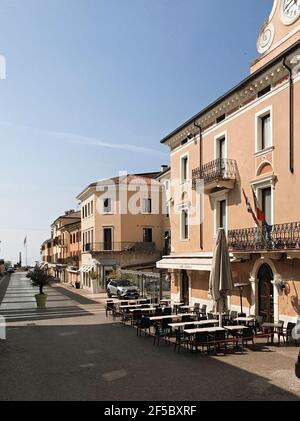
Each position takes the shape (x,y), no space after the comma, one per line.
(203,309)
(143,324)
(162,330)
(110,308)
(180,340)
(199,340)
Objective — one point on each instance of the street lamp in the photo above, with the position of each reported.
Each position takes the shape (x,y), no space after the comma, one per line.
(241,289)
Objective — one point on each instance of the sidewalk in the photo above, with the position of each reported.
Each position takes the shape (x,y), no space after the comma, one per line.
(100,297)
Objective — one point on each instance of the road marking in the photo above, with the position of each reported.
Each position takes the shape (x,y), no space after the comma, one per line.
(68,333)
(92,352)
(87,365)
(114,375)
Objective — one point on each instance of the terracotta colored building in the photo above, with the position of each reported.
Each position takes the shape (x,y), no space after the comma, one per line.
(247,139)
(55,252)
(72,246)
(122,226)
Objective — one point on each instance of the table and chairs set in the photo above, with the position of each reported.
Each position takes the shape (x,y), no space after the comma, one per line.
(193,328)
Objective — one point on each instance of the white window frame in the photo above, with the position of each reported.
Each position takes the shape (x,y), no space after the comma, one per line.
(182,238)
(216,143)
(266,183)
(109,212)
(147,212)
(182,157)
(220,197)
(258,130)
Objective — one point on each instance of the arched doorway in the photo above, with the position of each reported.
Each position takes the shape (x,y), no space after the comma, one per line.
(266,293)
(185,288)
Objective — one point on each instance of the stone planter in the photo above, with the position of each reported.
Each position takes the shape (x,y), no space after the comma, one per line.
(41,300)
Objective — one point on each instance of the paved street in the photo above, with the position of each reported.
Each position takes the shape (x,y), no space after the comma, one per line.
(71,351)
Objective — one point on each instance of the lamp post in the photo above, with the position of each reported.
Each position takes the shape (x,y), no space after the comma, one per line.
(241,289)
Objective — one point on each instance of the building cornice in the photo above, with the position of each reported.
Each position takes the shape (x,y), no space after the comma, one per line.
(271,74)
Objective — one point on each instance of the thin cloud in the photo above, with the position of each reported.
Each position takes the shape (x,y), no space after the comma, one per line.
(87,141)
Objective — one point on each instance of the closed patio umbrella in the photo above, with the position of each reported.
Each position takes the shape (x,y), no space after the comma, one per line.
(220,281)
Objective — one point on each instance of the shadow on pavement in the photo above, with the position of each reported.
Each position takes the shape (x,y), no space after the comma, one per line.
(109,362)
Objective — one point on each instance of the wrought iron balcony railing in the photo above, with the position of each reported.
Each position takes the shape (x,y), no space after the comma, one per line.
(278,237)
(215,171)
(117,247)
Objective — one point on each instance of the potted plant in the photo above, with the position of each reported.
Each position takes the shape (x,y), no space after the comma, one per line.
(40,278)
(94,278)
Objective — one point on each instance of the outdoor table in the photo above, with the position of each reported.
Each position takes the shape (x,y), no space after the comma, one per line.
(245,319)
(197,323)
(133,306)
(204,330)
(171,316)
(143,310)
(232,328)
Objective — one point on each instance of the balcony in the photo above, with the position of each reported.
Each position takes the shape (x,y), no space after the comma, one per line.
(280,237)
(217,175)
(116,247)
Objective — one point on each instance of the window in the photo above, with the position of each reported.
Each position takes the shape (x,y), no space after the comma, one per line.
(92,207)
(82,211)
(184,168)
(167,211)
(147,235)
(221,144)
(107,205)
(266,199)
(184,224)
(222,214)
(107,238)
(264,131)
(147,205)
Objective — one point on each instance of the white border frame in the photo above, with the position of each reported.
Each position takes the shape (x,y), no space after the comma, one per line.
(216,140)
(258,116)
(217,199)
(184,208)
(186,155)
(264,184)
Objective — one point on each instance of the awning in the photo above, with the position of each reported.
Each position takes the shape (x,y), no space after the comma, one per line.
(73,271)
(201,264)
(86,268)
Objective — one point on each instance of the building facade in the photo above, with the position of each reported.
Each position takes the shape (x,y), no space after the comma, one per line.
(121,225)
(71,234)
(247,140)
(56,251)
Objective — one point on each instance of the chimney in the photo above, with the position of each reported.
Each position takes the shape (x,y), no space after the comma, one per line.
(164,168)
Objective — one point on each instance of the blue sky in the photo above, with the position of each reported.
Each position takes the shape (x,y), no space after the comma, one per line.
(93,85)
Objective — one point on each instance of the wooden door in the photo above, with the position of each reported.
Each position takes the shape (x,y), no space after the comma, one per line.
(266,294)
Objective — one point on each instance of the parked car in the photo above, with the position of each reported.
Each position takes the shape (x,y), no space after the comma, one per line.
(122,289)
(10,270)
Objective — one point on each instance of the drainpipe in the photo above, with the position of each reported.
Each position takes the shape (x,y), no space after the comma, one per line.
(201,163)
(291,113)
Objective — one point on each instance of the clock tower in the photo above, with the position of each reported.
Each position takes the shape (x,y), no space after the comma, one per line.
(279,32)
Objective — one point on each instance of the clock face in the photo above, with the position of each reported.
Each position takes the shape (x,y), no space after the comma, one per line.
(290,11)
